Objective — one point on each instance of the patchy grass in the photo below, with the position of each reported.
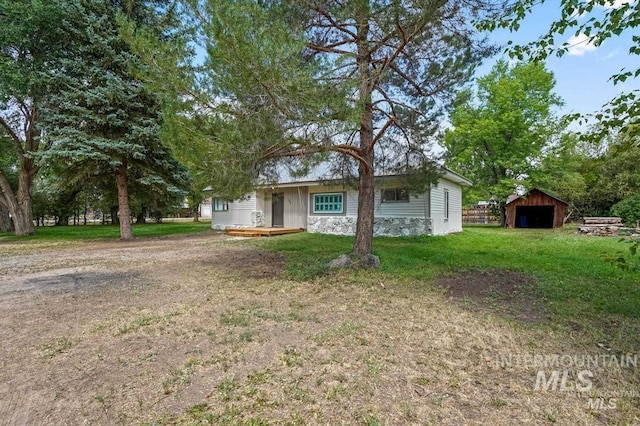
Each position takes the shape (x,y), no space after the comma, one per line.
(347,347)
(95,232)
(572,276)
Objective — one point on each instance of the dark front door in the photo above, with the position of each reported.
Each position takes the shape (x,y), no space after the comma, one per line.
(277,210)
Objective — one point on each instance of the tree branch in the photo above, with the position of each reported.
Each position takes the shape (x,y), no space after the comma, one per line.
(390,122)
(329,18)
(9,131)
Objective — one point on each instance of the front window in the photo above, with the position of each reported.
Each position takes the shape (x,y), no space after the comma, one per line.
(220,205)
(395,195)
(328,203)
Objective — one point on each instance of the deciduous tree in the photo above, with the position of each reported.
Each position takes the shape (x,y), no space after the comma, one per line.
(30,41)
(499,131)
(592,22)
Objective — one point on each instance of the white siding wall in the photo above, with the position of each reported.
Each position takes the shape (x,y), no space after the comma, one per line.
(441,225)
(298,205)
(239,213)
(416,207)
(205,209)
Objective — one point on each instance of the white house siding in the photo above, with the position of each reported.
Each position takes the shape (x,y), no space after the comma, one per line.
(241,213)
(423,214)
(295,205)
(391,219)
(205,209)
(440,225)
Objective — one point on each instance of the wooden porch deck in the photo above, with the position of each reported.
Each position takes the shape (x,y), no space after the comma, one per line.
(261,231)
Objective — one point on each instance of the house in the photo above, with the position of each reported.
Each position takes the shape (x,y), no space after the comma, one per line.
(205,209)
(535,209)
(331,208)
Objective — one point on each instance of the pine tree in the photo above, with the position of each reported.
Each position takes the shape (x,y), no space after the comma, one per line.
(355,79)
(100,115)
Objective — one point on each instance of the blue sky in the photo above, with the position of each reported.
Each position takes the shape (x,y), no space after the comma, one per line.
(582,76)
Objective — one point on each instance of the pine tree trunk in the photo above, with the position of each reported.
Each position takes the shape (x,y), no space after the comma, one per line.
(363,243)
(123,203)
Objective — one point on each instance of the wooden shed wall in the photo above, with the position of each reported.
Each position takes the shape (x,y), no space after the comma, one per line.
(537,198)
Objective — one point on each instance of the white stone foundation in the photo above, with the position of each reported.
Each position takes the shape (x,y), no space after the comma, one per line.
(382,226)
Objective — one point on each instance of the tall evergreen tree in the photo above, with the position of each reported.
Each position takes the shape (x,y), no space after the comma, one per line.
(100,115)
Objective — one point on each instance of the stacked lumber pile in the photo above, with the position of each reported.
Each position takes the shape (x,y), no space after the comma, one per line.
(604,227)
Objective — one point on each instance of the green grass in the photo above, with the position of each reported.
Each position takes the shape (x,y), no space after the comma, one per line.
(572,276)
(93,232)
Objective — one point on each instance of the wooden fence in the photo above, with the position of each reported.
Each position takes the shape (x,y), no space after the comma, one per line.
(479,216)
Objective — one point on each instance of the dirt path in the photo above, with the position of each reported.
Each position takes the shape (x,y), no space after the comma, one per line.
(201,330)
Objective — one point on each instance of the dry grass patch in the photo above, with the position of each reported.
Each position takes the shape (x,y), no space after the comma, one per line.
(178,339)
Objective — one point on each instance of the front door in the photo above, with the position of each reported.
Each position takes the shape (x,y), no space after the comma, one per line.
(277,210)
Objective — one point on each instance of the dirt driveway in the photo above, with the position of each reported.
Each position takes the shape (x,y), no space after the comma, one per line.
(204,330)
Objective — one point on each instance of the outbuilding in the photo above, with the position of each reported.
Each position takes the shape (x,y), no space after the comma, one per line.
(535,209)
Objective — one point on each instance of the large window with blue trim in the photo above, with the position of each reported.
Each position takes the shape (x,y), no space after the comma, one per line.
(328,203)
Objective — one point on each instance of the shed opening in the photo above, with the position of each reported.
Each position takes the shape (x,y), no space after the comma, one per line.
(534,217)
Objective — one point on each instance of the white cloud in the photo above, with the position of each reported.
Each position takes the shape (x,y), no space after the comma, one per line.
(611,55)
(617,4)
(580,45)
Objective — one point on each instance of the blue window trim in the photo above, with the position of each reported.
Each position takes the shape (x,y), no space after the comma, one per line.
(329,204)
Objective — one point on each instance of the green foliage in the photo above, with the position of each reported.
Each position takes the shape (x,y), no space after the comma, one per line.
(359,85)
(598,21)
(563,171)
(618,175)
(30,45)
(628,209)
(626,261)
(501,130)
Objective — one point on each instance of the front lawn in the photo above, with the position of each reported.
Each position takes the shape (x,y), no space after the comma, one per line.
(203,329)
(93,232)
(572,279)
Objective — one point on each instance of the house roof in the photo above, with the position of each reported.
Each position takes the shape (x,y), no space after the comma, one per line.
(513,197)
(316,180)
